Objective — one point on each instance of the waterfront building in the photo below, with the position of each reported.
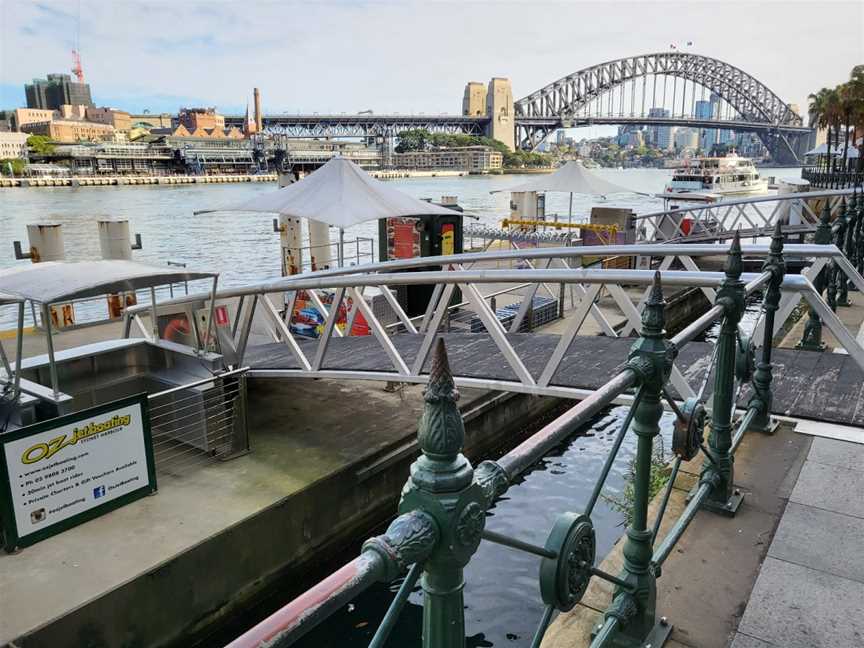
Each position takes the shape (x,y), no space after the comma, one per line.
(116,158)
(474,99)
(473,159)
(23,116)
(13,145)
(146,120)
(57,90)
(71,130)
(203,118)
(119,119)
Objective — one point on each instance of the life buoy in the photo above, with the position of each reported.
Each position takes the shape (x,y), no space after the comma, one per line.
(175,326)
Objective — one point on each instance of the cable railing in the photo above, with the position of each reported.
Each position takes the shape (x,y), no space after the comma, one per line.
(199,422)
(442,512)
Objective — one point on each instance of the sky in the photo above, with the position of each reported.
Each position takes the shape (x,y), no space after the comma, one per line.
(400,56)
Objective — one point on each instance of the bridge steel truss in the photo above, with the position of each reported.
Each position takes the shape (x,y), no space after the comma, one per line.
(365,126)
(557,104)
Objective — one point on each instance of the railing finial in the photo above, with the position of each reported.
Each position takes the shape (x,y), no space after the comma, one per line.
(734,265)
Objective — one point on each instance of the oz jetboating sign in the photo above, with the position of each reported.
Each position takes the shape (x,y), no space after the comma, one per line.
(60,473)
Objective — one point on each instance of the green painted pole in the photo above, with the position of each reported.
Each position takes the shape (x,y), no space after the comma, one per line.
(762,397)
(720,473)
(811,340)
(838,238)
(443,485)
(859,237)
(851,250)
(633,608)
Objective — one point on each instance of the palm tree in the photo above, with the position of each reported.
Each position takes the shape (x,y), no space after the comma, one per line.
(855,93)
(820,115)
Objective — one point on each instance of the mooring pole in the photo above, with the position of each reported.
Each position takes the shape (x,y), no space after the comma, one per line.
(762,377)
(719,469)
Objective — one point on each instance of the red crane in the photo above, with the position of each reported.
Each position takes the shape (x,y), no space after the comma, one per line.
(77,70)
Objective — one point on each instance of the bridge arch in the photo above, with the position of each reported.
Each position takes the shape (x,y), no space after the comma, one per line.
(755,103)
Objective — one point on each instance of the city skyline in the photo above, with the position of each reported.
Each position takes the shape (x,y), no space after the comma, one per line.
(215,56)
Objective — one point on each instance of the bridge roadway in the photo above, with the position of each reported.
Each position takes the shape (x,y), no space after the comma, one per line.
(812,385)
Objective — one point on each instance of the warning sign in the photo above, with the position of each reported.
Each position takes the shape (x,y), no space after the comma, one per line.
(73,468)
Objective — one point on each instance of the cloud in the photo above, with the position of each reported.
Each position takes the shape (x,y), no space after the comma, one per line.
(398,56)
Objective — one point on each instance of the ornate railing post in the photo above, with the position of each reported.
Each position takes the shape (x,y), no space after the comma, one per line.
(811,340)
(718,469)
(859,235)
(651,358)
(443,486)
(843,226)
(762,397)
(853,225)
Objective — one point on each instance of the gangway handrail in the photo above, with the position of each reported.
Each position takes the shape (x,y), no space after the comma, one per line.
(652,249)
(803,195)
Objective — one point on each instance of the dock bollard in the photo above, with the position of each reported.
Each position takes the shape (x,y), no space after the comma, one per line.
(114,240)
(762,377)
(719,470)
(811,340)
(46,243)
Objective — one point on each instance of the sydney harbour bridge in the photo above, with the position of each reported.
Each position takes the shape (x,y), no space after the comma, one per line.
(673,89)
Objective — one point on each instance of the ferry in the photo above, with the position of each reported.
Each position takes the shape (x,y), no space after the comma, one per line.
(725,176)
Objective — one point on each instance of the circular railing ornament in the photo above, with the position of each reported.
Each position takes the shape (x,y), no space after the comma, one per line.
(688,433)
(745,359)
(563,580)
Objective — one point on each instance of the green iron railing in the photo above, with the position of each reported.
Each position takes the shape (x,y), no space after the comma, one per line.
(442,511)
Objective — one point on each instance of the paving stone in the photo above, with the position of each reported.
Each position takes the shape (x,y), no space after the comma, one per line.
(823,540)
(798,607)
(831,488)
(837,453)
(744,641)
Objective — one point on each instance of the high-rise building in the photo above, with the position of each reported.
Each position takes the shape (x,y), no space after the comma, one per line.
(56,90)
(661,135)
(708,137)
(474,99)
(686,138)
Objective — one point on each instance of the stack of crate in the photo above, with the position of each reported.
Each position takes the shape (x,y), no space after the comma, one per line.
(545,310)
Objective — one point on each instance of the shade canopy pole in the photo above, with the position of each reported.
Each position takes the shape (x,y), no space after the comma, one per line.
(52,364)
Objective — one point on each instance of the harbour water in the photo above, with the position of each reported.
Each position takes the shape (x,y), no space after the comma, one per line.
(242,247)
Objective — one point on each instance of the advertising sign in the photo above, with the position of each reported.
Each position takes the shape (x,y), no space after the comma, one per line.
(403,238)
(60,473)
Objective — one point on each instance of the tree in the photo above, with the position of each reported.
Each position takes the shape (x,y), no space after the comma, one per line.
(414,139)
(14,165)
(40,144)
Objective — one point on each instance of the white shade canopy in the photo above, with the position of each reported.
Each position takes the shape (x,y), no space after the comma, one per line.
(573,177)
(836,151)
(340,194)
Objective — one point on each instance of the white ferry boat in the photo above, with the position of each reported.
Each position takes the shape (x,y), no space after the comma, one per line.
(730,175)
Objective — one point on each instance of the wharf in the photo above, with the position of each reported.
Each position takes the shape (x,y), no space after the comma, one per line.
(104,181)
(216,538)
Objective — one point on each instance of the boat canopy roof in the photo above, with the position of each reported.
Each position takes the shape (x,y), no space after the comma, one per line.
(55,281)
(9,299)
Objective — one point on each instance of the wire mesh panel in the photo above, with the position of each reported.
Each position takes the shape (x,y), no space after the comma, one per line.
(198,423)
